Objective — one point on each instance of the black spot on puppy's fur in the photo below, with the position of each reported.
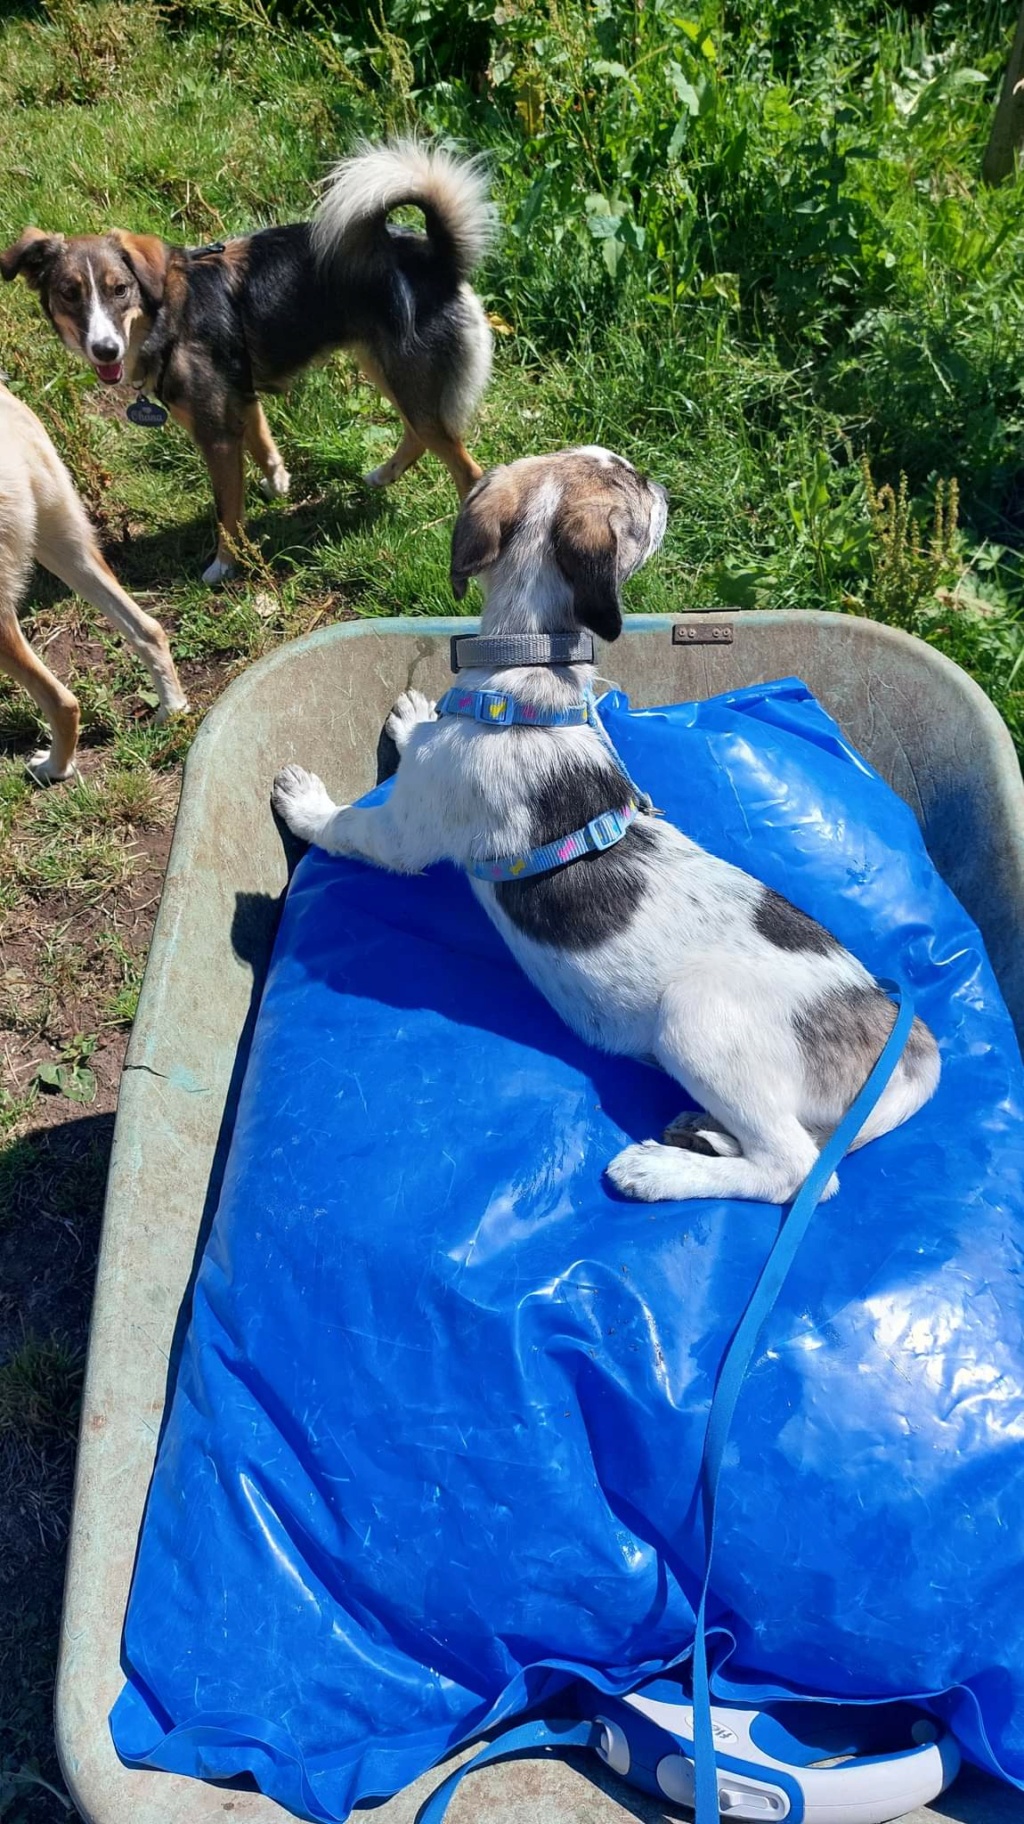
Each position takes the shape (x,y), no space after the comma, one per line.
(590,900)
(788,928)
(841,1035)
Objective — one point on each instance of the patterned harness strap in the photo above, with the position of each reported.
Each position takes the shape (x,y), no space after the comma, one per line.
(494,709)
(601,833)
(497,710)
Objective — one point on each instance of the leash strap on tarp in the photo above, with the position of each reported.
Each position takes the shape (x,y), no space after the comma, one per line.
(566,1732)
(731,1375)
(736,1361)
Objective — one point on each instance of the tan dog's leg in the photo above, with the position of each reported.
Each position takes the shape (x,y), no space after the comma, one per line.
(224,459)
(56,704)
(418,437)
(265,453)
(412,446)
(456,458)
(409,451)
(65,544)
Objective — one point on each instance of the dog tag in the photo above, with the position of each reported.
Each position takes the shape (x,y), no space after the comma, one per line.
(146,412)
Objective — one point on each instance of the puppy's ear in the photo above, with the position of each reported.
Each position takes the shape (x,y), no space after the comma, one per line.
(147,255)
(31,256)
(586,545)
(481,529)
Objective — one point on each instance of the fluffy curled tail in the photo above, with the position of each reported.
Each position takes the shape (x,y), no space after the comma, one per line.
(362,190)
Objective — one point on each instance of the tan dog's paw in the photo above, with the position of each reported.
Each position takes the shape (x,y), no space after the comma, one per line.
(41,768)
(218,572)
(178,706)
(276,485)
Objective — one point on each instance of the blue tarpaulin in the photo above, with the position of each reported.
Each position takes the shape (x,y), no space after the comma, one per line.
(434,1445)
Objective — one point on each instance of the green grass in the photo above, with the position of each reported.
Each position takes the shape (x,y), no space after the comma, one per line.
(129,796)
(743,247)
(39,1391)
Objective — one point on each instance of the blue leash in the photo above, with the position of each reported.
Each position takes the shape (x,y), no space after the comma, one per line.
(566,1732)
(736,1361)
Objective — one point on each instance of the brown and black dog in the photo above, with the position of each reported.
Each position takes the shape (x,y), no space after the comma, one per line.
(207,329)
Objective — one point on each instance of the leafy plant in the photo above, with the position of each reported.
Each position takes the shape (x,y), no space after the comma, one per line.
(71,1074)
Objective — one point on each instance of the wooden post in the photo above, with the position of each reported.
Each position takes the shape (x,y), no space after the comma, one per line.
(1007,133)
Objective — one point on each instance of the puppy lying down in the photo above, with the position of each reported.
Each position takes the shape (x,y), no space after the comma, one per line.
(644,942)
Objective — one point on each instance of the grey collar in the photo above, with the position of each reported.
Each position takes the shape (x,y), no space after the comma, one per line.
(470,652)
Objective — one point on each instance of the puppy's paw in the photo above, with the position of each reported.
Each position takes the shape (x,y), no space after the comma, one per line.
(275,486)
(218,572)
(411,709)
(695,1132)
(640,1172)
(302,801)
(42,769)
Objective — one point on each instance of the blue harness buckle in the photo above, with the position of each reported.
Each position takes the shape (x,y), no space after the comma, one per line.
(605,831)
(493,710)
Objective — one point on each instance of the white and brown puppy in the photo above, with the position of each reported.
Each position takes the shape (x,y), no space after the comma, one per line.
(43,520)
(652,948)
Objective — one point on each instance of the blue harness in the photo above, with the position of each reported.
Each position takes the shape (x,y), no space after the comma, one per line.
(496,709)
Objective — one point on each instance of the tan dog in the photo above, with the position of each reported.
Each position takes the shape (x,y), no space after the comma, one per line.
(43,519)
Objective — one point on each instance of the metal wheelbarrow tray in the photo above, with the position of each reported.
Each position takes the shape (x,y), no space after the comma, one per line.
(917,717)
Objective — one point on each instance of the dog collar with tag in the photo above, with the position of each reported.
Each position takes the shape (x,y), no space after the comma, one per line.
(146,412)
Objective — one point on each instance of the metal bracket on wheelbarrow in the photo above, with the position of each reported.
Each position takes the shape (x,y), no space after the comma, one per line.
(715,633)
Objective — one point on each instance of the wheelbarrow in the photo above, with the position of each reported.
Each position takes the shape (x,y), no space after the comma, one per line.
(921,722)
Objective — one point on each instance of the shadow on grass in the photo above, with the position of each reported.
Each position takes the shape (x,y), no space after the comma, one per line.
(292,529)
(286,530)
(52,1172)
(52,1182)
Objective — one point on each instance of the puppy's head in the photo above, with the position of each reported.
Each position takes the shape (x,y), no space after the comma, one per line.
(567,530)
(95,288)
